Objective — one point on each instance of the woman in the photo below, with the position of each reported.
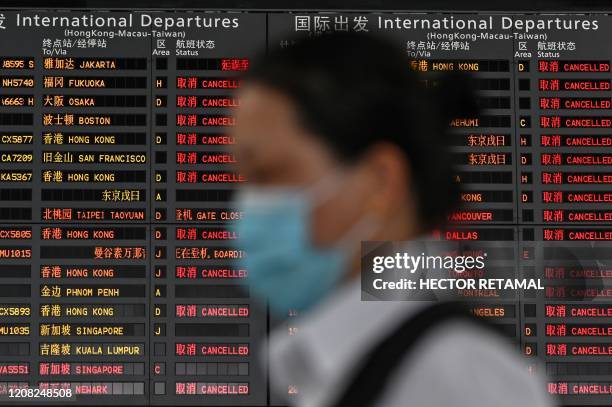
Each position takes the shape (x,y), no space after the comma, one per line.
(341,143)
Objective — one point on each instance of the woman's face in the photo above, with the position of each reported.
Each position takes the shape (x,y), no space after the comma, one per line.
(272,149)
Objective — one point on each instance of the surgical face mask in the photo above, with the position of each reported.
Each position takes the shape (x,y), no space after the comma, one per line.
(283,265)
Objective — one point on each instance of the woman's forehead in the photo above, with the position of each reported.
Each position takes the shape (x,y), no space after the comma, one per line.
(268,134)
(267,120)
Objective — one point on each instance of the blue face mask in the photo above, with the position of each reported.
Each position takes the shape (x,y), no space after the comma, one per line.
(283,265)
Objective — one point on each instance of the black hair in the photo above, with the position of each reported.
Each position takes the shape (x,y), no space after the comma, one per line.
(356,90)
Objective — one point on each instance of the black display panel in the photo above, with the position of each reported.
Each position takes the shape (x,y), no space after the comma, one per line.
(117,277)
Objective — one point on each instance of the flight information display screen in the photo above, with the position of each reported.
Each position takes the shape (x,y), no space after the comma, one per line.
(118,282)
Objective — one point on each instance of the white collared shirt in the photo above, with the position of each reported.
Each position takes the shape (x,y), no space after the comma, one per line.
(460,364)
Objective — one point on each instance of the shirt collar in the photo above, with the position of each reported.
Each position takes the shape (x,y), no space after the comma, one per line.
(330,341)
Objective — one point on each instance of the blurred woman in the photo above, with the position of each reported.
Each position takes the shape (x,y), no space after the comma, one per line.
(341,142)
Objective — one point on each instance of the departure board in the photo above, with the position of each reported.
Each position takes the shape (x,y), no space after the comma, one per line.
(118,279)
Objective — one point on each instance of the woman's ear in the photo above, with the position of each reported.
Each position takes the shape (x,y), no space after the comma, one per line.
(387,171)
